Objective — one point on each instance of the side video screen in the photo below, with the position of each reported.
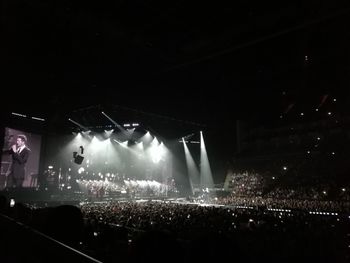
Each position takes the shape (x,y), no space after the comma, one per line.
(20,159)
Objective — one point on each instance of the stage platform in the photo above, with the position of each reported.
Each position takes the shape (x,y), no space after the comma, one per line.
(45,198)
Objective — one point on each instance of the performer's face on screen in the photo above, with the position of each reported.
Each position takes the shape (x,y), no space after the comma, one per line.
(20,142)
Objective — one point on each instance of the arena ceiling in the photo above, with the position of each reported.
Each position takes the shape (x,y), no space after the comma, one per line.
(207,63)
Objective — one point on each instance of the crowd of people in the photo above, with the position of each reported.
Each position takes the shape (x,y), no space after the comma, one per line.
(186,232)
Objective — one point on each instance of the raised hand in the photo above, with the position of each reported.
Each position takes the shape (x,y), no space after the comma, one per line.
(14,148)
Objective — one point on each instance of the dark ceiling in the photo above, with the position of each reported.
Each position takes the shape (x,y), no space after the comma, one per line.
(188,60)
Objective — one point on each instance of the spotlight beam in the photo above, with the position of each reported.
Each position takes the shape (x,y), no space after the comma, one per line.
(192,169)
(205,170)
(115,123)
(78,124)
(188,136)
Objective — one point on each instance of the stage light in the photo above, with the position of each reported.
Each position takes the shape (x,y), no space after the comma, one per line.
(109,133)
(38,119)
(19,114)
(78,124)
(123,144)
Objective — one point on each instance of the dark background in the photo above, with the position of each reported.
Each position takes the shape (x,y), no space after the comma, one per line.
(197,61)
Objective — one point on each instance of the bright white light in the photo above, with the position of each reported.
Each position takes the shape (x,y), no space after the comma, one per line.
(285,168)
(97,145)
(80,170)
(50,167)
(316,110)
(192,169)
(86,132)
(155,141)
(126,125)
(78,124)
(206,175)
(146,138)
(302,114)
(19,114)
(109,133)
(38,119)
(156,153)
(139,145)
(94,140)
(123,144)
(329,113)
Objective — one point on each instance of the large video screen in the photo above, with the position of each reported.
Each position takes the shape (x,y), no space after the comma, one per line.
(20,159)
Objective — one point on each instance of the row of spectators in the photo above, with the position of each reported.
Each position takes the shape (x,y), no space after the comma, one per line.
(282,203)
